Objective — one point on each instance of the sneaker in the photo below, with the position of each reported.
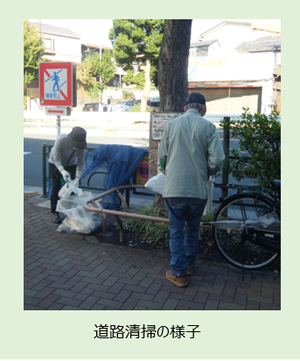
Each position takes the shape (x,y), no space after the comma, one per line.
(56,218)
(179,281)
(190,271)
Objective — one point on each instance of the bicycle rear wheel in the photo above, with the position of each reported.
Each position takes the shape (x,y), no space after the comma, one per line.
(234,245)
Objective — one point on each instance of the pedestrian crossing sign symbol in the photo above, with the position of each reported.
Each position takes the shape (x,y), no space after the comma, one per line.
(56,84)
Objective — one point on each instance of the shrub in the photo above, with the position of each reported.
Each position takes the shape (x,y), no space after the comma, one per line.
(137,108)
(158,232)
(127,95)
(259,155)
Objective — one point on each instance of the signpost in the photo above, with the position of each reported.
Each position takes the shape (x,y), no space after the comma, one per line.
(158,123)
(57,86)
(58,111)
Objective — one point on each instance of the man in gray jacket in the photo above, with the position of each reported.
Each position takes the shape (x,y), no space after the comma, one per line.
(193,151)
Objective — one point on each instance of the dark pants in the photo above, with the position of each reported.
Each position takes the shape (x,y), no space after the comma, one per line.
(56,185)
(184,250)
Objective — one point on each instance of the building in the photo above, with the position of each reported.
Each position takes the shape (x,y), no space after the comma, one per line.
(61,44)
(231,33)
(233,66)
(268,44)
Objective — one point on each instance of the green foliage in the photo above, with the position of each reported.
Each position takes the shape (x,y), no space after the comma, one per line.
(33,52)
(137,79)
(156,231)
(91,67)
(137,108)
(92,63)
(94,90)
(134,40)
(83,75)
(259,138)
(107,67)
(127,95)
(206,232)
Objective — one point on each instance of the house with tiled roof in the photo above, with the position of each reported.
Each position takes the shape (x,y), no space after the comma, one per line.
(61,44)
(239,71)
(268,44)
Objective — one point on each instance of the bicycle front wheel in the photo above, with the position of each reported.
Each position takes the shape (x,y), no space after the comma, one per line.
(235,247)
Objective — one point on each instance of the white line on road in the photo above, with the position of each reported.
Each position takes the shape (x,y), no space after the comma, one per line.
(25,153)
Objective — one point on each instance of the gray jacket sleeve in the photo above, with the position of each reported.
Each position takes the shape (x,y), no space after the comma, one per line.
(80,160)
(56,154)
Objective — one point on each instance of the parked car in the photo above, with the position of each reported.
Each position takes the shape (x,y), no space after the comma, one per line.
(94,107)
(153,103)
(123,106)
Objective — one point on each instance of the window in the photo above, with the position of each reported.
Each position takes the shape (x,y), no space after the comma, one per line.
(199,51)
(49,43)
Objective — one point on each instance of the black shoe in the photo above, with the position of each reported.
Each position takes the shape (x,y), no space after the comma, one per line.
(56,218)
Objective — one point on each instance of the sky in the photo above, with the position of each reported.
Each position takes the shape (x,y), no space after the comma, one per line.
(96,31)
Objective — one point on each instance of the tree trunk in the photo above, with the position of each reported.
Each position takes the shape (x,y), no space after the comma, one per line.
(147,85)
(173,65)
(173,71)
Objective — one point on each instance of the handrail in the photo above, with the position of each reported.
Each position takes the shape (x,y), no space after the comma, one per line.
(126,214)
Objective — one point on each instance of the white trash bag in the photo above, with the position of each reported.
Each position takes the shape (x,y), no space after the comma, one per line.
(68,189)
(156,183)
(78,219)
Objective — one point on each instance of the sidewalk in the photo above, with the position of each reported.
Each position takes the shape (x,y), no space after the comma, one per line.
(65,271)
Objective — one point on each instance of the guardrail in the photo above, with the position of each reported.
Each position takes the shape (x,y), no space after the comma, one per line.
(112,117)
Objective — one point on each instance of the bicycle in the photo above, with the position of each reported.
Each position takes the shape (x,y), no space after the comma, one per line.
(246,226)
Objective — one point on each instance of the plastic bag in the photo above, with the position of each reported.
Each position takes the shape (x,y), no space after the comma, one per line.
(68,189)
(156,183)
(78,219)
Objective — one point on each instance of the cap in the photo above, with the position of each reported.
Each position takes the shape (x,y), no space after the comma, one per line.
(77,138)
(195,98)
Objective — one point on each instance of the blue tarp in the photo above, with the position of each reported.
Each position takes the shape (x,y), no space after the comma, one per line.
(119,162)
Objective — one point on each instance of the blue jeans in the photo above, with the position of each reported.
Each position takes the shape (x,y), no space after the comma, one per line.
(184,251)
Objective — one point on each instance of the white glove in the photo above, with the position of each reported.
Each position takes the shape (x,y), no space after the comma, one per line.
(66,176)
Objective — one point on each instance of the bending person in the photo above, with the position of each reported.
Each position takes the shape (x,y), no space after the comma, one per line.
(66,160)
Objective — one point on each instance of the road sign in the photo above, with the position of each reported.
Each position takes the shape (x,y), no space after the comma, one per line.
(57,84)
(58,111)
